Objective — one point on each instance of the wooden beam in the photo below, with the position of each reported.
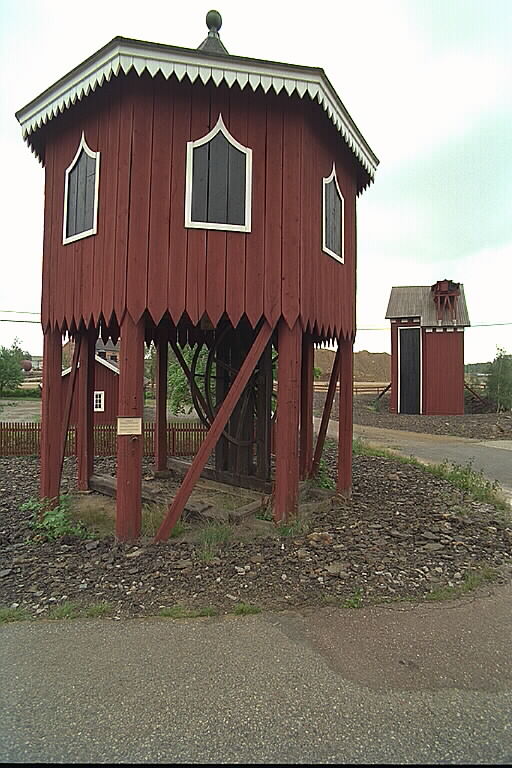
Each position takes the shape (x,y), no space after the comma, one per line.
(326,415)
(306,406)
(286,487)
(51,411)
(130,446)
(69,402)
(345,418)
(215,431)
(85,410)
(161,400)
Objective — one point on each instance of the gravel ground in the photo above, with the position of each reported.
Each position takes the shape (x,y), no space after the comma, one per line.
(403,533)
(481,426)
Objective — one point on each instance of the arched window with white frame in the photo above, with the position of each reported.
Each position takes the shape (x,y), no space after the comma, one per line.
(81,194)
(333,217)
(218,182)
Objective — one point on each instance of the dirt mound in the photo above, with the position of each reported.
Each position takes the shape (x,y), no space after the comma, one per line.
(368,366)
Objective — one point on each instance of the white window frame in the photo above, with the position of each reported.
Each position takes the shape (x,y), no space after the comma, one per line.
(101,407)
(325,181)
(95,156)
(189,175)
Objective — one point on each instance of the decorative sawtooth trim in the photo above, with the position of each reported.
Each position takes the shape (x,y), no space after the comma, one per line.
(122,55)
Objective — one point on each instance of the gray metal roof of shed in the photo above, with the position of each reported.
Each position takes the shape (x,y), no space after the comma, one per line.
(418,301)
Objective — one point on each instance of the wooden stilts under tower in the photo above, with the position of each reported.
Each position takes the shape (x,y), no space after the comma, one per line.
(344,482)
(306,406)
(85,423)
(286,488)
(161,400)
(51,415)
(130,438)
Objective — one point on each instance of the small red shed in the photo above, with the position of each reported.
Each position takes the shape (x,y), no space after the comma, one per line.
(105,393)
(427,348)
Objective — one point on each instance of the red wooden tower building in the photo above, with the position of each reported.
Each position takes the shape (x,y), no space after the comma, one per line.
(193,197)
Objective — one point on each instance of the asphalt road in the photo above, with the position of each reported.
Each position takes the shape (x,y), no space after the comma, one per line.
(403,684)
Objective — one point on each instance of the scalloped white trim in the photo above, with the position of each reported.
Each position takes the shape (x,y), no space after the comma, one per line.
(125,55)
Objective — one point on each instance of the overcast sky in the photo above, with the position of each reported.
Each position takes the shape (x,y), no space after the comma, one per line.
(428,82)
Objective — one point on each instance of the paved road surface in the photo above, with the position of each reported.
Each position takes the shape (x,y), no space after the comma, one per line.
(421,684)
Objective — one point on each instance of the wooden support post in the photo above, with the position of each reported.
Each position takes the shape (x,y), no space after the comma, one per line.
(215,431)
(306,406)
(161,400)
(51,416)
(264,414)
(85,411)
(69,401)
(130,446)
(326,415)
(344,482)
(286,488)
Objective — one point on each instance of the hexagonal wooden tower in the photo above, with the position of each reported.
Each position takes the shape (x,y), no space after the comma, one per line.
(193,197)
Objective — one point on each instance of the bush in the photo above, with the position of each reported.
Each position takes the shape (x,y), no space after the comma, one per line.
(50,524)
(499,380)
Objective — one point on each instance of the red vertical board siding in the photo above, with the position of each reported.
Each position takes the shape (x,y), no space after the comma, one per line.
(255,250)
(273,213)
(196,245)
(216,275)
(107,206)
(443,372)
(178,235)
(140,199)
(236,241)
(158,267)
(292,193)
(123,197)
(49,219)
(306,249)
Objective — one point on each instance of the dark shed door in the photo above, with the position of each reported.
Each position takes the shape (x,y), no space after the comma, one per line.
(409,377)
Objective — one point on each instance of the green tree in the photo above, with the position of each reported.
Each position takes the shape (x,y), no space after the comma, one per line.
(499,380)
(10,366)
(179,396)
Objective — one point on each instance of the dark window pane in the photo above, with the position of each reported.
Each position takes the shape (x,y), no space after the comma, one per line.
(200,183)
(333,219)
(81,195)
(236,187)
(71,212)
(218,180)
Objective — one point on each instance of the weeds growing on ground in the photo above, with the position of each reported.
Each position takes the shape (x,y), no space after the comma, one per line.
(244,609)
(472,580)
(53,523)
(13,614)
(212,536)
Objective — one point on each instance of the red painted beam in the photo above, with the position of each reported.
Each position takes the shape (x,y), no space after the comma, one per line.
(326,415)
(85,411)
(286,488)
(306,406)
(130,446)
(69,401)
(50,422)
(215,431)
(161,400)
(344,482)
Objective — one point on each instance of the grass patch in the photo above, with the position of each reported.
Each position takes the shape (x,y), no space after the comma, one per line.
(246,609)
(355,600)
(50,524)
(211,538)
(67,610)
(13,614)
(322,479)
(96,610)
(471,482)
(180,612)
(295,528)
(472,580)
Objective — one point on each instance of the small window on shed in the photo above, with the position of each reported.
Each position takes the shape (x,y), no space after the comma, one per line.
(99,401)
(333,230)
(218,182)
(81,194)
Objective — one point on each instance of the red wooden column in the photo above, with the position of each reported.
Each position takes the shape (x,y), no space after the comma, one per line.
(51,415)
(344,482)
(306,406)
(286,487)
(161,400)
(85,421)
(130,445)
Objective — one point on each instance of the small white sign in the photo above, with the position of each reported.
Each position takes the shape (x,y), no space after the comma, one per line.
(129,426)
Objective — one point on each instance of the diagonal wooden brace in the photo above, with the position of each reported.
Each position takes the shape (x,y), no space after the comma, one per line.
(215,431)
(69,403)
(186,370)
(326,415)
